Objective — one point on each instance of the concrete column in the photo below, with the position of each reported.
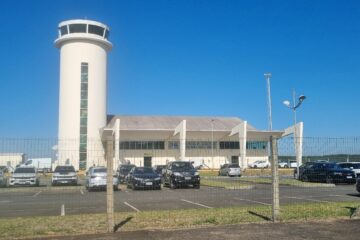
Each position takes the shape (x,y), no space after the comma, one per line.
(298,140)
(183,141)
(181,130)
(117,141)
(109,186)
(242,143)
(275,179)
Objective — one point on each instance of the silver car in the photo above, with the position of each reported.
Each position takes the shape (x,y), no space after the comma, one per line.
(24,176)
(230,170)
(96,179)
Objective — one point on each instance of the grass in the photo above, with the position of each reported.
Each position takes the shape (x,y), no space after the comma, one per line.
(251,172)
(34,227)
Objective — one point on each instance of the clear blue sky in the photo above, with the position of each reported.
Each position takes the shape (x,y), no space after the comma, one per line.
(201,58)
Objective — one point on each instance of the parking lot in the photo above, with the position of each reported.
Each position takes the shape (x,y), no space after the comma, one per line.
(48,201)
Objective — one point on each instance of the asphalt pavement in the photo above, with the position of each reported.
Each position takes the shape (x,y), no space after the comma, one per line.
(327,230)
(47,201)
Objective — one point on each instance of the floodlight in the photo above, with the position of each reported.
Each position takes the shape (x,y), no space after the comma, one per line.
(302,98)
(286,103)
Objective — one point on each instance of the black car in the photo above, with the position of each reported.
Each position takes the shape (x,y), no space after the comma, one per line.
(143,177)
(123,171)
(181,173)
(302,168)
(327,172)
(159,169)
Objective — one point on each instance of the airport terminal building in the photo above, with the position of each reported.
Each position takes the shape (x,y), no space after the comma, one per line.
(84,123)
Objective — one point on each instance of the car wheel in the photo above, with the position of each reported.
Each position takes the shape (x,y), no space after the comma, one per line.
(172,185)
(255,166)
(133,187)
(197,186)
(304,178)
(329,179)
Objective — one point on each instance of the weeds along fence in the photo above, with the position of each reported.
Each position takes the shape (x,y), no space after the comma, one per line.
(221,199)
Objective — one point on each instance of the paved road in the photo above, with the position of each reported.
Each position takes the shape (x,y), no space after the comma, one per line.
(45,201)
(330,230)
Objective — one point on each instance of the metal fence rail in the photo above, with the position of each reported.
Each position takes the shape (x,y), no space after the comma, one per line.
(220,199)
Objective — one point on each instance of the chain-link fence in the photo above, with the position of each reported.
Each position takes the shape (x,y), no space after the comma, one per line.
(217,184)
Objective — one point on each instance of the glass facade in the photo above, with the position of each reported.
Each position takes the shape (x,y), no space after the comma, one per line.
(83,116)
(249,145)
(142,145)
(192,145)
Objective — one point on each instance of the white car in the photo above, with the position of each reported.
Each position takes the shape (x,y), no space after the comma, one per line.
(24,176)
(259,164)
(354,166)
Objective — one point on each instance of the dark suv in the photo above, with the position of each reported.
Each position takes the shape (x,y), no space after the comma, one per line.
(122,171)
(181,173)
(327,172)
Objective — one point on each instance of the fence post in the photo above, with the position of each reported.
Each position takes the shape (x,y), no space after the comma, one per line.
(275,179)
(109,186)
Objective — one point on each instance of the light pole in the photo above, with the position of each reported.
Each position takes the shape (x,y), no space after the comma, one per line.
(294,107)
(212,143)
(267,77)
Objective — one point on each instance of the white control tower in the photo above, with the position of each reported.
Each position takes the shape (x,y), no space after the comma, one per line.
(83,48)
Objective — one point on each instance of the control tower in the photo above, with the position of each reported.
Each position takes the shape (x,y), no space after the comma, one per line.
(83,48)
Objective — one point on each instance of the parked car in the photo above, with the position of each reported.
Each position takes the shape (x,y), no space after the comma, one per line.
(283,164)
(64,175)
(143,177)
(260,164)
(302,168)
(3,180)
(358,184)
(181,173)
(230,170)
(96,179)
(160,169)
(24,176)
(122,171)
(354,166)
(328,172)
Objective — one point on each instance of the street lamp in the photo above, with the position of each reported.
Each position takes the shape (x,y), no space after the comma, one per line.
(294,106)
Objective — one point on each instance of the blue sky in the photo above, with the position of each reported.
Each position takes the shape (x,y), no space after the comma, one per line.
(197,58)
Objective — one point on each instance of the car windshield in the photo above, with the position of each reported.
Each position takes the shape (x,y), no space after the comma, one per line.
(126,169)
(349,165)
(100,170)
(25,170)
(234,166)
(159,169)
(144,170)
(182,166)
(356,165)
(64,169)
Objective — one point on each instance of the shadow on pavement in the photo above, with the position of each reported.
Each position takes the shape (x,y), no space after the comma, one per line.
(119,225)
